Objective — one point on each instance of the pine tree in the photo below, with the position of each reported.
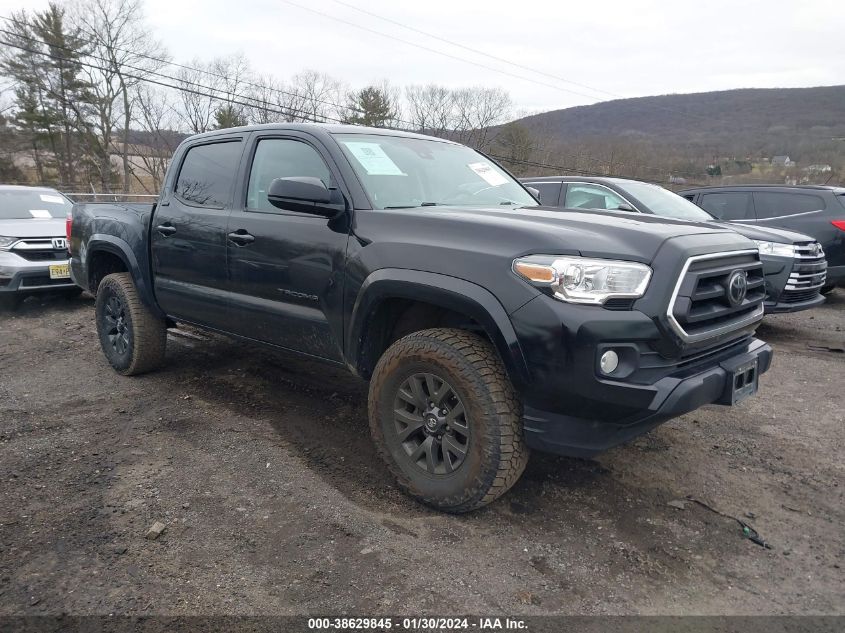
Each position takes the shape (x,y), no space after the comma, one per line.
(371,106)
(228,116)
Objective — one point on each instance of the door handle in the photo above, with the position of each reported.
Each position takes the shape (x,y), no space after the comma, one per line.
(241,237)
(166,229)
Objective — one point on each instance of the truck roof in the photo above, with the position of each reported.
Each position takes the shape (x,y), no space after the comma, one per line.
(319,128)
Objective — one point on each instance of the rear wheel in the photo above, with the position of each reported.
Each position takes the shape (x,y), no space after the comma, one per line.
(132,338)
(445,418)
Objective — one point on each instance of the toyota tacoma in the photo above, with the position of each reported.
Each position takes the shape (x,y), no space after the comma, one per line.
(485,324)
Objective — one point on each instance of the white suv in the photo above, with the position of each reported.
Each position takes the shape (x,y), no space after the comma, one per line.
(33,246)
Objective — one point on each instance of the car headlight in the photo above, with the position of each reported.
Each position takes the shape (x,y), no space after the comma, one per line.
(775,248)
(584,280)
(6,242)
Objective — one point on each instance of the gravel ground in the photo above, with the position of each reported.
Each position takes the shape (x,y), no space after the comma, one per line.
(261,468)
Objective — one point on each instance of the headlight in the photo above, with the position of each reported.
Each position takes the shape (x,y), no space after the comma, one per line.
(775,248)
(6,242)
(584,280)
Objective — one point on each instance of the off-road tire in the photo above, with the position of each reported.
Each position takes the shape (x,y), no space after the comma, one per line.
(496,453)
(145,346)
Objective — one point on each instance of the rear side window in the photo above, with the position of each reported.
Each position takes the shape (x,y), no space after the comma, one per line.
(208,173)
(549,192)
(772,204)
(734,205)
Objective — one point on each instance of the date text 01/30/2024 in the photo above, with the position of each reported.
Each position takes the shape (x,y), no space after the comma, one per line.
(416,624)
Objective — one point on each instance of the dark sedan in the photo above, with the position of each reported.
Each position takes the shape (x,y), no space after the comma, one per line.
(794,264)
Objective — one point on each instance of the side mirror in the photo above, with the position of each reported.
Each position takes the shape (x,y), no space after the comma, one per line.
(305,195)
(624,206)
(534,192)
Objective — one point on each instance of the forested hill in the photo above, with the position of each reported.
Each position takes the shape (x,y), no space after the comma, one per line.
(792,121)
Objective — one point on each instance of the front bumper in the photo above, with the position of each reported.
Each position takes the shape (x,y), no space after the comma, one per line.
(21,275)
(780,307)
(571,408)
(673,396)
(778,272)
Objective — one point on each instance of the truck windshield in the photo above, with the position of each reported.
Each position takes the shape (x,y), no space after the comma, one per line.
(401,172)
(19,204)
(665,203)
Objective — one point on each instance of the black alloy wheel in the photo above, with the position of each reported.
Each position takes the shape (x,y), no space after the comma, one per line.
(431,424)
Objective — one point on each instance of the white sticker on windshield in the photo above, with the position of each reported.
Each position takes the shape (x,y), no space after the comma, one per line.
(46,197)
(40,213)
(373,159)
(490,175)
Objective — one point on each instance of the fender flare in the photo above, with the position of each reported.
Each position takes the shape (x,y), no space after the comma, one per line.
(445,291)
(101,242)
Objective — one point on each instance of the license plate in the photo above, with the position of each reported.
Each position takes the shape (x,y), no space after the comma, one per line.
(744,381)
(59,271)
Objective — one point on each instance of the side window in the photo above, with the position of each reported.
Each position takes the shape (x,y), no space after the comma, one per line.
(772,204)
(549,192)
(734,205)
(281,158)
(586,196)
(208,173)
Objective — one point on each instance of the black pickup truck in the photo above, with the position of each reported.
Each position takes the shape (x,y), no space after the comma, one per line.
(485,324)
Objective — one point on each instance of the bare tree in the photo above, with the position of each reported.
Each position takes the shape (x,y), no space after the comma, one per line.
(125,53)
(476,110)
(196,108)
(429,108)
(317,97)
(154,116)
(233,75)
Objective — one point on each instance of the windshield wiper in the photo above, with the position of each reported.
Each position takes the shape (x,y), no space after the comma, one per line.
(414,206)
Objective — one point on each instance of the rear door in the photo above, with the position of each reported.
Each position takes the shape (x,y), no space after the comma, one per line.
(188,234)
(286,268)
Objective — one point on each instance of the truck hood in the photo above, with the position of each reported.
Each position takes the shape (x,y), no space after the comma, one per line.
(34,227)
(622,235)
(766,234)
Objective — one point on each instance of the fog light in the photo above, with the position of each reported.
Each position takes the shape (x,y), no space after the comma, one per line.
(609,362)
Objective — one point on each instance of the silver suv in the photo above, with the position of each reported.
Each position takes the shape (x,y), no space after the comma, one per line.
(33,246)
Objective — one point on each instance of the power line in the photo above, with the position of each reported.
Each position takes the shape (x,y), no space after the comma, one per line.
(182,88)
(286,111)
(435,51)
(230,99)
(168,62)
(475,50)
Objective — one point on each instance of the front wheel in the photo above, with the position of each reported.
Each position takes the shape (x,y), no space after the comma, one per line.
(826,290)
(133,338)
(445,418)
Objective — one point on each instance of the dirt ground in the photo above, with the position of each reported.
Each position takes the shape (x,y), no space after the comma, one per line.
(262,469)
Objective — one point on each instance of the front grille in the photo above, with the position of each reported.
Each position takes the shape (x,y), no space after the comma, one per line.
(39,249)
(808,274)
(701,307)
(43,256)
(619,304)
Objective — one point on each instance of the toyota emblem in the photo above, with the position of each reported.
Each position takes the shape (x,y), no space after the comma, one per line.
(737,287)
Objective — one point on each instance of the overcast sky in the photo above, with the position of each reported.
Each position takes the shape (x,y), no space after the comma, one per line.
(611,48)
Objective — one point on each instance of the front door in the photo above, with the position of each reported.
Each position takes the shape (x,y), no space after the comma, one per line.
(286,268)
(188,235)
